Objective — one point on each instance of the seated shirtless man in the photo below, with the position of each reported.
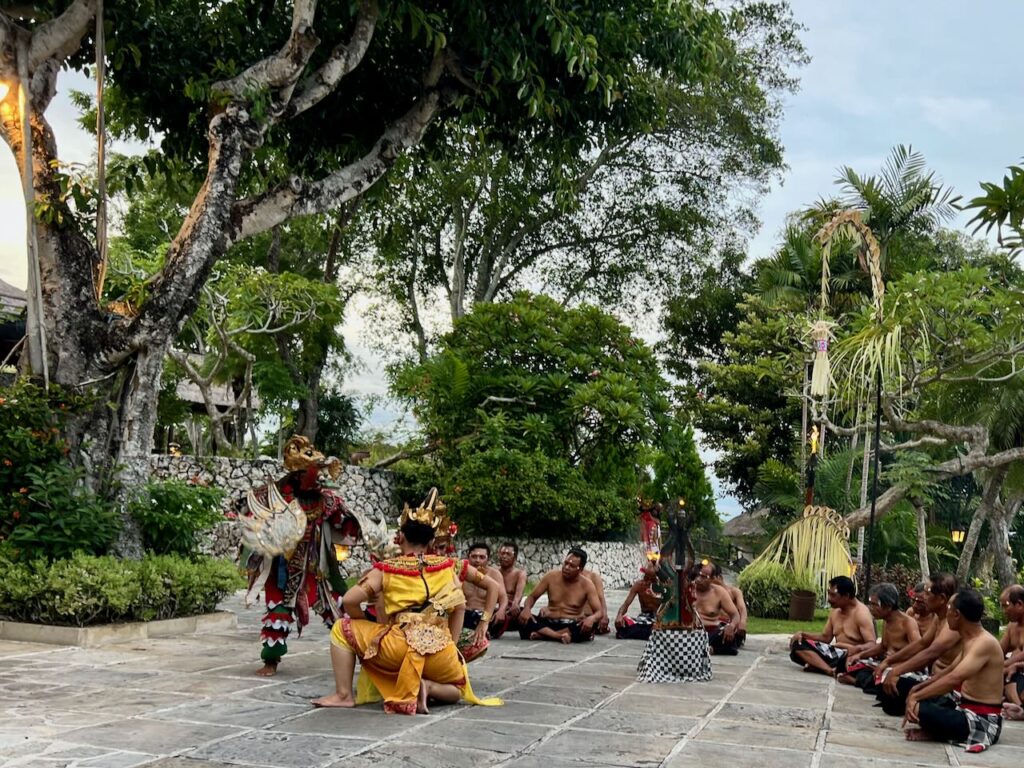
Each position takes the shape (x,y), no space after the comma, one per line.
(971,716)
(712,602)
(476,602)
(601,628)
(849,625)
(514,580)
(898,631)
(738,600)
(643,589)
(568,592)
(931,654)
(1012,603)
(919,610)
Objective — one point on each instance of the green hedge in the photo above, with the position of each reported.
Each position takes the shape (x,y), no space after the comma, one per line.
(83,590)
(767,588)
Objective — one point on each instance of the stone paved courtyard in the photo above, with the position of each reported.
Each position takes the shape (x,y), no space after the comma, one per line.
(193,702)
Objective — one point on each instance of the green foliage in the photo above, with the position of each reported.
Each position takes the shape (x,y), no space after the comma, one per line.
(82,590)
(46,509)
(896,542)
(679,474)
(530,494)
(547,407)
(567,66)
(767,587)
(739,402)
(173,514)
(904,577)
(1002,207)
(339,422)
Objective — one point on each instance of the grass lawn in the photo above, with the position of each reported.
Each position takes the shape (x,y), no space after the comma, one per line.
(758,626)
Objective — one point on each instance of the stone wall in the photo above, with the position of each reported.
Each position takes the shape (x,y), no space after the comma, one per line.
(372,491)
(618,563)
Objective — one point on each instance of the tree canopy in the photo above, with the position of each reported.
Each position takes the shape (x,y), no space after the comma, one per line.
(537,417)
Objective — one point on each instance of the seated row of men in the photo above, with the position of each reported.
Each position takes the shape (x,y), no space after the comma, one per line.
(576,607)
(935,666)
(720,606)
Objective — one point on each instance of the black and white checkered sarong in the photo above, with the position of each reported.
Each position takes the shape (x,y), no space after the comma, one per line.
(675,656)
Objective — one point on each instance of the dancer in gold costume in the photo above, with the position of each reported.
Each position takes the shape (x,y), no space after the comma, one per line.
(409,656)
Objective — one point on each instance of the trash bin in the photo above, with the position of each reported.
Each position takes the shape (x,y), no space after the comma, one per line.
(801,605)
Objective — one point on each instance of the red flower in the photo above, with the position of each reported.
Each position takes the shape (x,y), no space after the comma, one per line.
(453,529)
(17,515)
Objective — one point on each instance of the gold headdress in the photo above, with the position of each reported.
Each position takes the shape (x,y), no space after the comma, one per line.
(300,454)
(432,512)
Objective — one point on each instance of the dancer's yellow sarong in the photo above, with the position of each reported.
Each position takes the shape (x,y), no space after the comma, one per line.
(415,643)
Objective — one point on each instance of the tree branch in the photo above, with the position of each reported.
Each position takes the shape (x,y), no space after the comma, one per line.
(200,241)
(283,68)
(343,59)
(961,465)
(62,36)
(297,198)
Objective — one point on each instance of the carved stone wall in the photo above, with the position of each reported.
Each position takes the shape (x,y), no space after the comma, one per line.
(372,491)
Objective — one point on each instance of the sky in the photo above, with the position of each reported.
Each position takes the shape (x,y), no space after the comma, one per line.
(941,75)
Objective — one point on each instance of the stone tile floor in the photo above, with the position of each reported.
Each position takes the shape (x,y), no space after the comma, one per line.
(193,702)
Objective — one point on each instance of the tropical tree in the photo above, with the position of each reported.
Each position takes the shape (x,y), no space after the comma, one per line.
(536,418)
(473,218)
(242,93)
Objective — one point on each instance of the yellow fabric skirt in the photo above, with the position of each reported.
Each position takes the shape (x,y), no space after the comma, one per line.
(396,669)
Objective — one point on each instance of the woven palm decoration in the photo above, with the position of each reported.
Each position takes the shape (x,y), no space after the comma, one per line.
(814,548)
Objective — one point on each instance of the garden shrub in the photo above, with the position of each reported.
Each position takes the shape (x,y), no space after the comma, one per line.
(46,509)
(903,578)
(83,589)
(173,514)
(767,587)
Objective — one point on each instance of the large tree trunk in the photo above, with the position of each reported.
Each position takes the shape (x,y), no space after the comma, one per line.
(991,486)
(999,541)
(922,537)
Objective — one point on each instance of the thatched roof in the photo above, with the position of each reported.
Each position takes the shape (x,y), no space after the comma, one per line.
(12,299)
(745,524)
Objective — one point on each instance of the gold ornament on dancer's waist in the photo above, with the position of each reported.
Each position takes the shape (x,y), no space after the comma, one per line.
(425,632)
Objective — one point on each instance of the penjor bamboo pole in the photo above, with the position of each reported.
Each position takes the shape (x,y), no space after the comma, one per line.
(874,478)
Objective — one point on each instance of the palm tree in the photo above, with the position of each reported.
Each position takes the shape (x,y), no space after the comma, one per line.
(791,278)
(905,199)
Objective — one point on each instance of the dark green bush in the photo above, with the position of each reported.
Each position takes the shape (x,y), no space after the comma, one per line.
(767,588)
(46,510)
(173,514)
(903,578)
(83,589)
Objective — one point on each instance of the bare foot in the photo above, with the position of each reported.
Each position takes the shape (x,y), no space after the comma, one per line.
(335,700)
(845,679)
(917,734)
(421,702)
(267,670)
(535,635)
(564,637)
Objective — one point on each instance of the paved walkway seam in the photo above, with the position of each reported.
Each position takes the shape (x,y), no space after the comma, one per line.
(703,722)
(826,722)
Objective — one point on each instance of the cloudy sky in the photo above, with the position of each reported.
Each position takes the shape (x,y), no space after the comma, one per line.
(941,75)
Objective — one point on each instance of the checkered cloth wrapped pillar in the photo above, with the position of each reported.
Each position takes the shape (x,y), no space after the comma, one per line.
(675,656)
